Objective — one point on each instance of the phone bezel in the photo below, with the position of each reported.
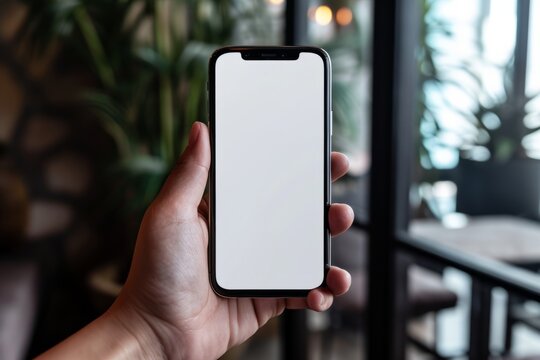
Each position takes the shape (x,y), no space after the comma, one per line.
(259,51)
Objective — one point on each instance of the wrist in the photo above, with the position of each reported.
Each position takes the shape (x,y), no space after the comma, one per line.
(146,336)
(117,334)
(139,339)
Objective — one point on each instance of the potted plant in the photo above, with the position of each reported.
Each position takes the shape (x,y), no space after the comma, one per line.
(488,155)
(147,64)
(508,182)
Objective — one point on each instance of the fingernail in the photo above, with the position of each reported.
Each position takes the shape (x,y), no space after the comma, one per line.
(321,300)
(351,211)
(194,133)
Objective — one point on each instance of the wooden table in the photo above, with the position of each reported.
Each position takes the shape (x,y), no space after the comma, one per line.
(506,238)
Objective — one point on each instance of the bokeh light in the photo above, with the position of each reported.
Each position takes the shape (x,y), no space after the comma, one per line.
(344,16)
(323,15)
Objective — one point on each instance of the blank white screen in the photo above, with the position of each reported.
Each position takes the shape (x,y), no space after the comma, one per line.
(269,180)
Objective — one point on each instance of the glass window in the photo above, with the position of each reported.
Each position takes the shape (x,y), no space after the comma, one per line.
(476,177)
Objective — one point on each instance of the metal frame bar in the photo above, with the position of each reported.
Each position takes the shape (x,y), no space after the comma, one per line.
(293,322)
(294,342)
(488,271)
(518,98)
(480,320)
(396,30)
(521,53)
(296,22)
(381,262)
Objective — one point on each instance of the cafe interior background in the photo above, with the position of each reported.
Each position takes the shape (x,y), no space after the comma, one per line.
(436,103)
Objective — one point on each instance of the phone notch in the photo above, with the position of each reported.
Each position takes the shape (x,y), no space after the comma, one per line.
(270,54)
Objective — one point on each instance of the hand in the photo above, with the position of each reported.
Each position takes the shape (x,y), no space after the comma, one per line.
(167,304)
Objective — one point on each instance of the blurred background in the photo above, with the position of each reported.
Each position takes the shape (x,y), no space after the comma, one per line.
(436,102)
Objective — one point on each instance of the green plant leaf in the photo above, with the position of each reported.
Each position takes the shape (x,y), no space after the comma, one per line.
(144,164)
(195,54)
(152,58)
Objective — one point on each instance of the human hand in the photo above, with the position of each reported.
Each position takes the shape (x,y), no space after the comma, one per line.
(167,306)
(168,282)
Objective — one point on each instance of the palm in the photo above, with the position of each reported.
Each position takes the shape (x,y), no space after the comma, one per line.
(174,280)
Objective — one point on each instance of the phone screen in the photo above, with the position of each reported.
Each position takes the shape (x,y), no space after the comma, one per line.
(270,180)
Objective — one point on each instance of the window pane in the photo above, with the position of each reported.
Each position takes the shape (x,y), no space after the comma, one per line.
(476,181)
(531,142)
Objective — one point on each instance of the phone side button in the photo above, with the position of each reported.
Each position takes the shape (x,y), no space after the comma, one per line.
(331,122)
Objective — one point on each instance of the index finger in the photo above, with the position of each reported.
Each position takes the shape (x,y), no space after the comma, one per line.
(340,165)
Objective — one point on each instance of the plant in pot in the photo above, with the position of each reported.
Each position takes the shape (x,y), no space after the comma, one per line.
(496,175)
(147,60)
(484,139)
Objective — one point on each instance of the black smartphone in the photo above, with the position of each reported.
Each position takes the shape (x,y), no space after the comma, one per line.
(270,127)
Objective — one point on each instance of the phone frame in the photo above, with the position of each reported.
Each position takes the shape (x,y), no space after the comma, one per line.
(254,53)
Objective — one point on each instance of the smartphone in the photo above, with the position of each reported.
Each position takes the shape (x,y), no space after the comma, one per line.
(270,126)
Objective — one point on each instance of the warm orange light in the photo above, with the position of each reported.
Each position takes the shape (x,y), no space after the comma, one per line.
(344,16)
(323,15)
(275,2)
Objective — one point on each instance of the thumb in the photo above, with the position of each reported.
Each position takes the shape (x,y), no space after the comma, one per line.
(186,183)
